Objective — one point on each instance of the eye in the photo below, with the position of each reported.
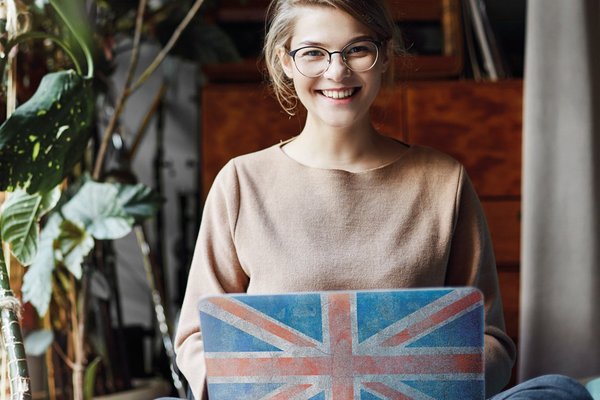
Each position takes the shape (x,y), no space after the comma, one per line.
(311,53)
(360,49)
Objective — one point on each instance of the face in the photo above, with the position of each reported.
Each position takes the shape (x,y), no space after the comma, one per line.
(339,98)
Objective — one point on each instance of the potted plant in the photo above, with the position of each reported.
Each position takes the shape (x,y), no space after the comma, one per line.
(43,147)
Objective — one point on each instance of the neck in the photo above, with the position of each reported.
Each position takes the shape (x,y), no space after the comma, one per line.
(331,147)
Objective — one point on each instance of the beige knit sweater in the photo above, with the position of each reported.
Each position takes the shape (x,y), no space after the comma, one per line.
(272,225)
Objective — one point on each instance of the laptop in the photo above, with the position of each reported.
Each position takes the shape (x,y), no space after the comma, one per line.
(345,345)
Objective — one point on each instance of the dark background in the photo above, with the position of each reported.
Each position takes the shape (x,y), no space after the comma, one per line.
(506,17)
(508,20)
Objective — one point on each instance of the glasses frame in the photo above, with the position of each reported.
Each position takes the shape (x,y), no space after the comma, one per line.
(377,44)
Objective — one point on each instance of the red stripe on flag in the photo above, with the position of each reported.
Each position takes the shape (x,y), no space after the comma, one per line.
(357,365)
(290,392)
(256,319)
(340,336)
(421,326)
(386,391)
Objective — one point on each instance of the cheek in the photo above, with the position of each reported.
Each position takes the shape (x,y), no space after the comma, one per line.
(300,82)
(288,72)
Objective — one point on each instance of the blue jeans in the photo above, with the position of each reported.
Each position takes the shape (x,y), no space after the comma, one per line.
(546,387)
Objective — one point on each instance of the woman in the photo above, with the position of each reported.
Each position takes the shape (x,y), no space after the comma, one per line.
(339,206)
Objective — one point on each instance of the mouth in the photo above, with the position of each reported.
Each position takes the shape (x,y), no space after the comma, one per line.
(339,94)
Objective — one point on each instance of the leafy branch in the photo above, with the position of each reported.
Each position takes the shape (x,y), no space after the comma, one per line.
(129,87)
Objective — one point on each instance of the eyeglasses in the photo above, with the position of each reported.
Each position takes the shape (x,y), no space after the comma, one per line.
(313,61)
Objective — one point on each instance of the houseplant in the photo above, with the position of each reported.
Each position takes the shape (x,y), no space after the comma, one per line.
(40,145)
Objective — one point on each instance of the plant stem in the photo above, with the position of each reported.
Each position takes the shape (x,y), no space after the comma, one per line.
(10,306)
(42,35)
(11,96)
(129,89)
(78,321)
(81,357)
(4,372)
(74,334)
(139,23)
(13,338)
(159,307)
(88,55)
(165,51)
(146,121)
(51,379)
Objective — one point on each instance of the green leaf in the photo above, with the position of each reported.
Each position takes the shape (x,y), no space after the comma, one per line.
(4,280)
(96,207)
(37,282)
(90,379)
(37,342)
(19,221)
(75,18)
(74,244)
(46,136)
(19,225)
(49,201)
(139,201)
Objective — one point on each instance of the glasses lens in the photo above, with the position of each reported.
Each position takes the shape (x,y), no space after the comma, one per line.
(360,56)
(311,61)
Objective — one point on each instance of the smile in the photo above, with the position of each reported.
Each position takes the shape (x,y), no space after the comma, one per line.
(339,94)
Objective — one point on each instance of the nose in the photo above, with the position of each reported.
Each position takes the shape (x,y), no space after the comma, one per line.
(337,70)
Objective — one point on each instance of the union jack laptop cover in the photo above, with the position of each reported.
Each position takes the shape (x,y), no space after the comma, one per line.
(346,345)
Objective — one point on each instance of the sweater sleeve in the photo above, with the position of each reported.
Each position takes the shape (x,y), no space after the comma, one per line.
(472,263)
(215,269)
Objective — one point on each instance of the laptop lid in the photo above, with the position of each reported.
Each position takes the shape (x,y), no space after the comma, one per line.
(346,345)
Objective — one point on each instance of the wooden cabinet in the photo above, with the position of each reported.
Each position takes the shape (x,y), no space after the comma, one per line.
(477,123)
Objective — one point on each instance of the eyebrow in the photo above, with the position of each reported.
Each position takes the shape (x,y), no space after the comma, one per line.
(355,39)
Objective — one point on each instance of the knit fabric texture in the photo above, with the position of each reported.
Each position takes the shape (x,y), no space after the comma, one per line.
(273,225)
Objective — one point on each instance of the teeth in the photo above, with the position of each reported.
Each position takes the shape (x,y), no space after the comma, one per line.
(338,94)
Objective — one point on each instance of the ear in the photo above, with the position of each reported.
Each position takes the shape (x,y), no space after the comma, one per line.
(386,56)
(287,64)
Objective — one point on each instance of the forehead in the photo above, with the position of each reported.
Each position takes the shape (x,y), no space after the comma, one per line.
(325,26)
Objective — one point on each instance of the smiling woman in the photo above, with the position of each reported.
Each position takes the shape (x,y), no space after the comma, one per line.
(335,64)
(340,206)
(285,23)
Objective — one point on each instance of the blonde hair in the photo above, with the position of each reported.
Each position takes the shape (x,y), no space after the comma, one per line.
(281,16)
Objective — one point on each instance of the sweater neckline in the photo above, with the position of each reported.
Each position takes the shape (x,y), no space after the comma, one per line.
(382,167)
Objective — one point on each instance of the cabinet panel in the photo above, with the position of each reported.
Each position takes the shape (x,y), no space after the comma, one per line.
(509,287)
(387,110)
(477,123)
(504,220)
(239,119)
